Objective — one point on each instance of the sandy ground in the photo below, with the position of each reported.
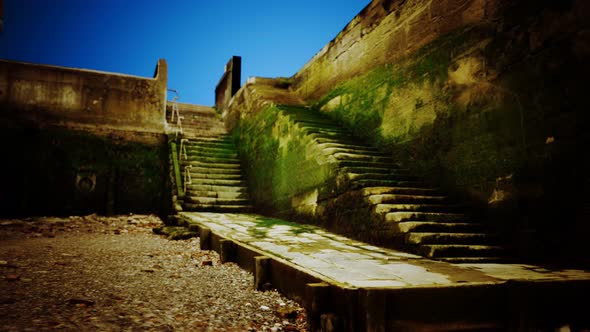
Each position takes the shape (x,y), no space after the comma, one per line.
(96,273)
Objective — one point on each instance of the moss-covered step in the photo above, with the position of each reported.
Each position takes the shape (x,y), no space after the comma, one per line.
(450,238)
(460,250)
(215,176)
(175,232)
(207,187)
(214,170)
(386,208)
(219,194)
(425,216)
(405,227)
(210,164)
(218,208)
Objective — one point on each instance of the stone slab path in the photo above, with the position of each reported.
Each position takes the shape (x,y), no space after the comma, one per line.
(348,263)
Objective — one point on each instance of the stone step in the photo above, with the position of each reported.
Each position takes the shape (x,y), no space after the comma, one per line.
(386,183)
(459,250)
(402,176)
(437,227)
(354,152)
(324,130)
(397,198)
(218,208)
(362,157)
(400,191)
(346,147)
(219,194)
(212,170)
(315,123)
(362,163)
(450,238)
(208,187)
(197,113)
(219,139)
(203,125)
(205,141)
(475,260)
(200,117)
(386,208)
(210,165)
(199,175)
(216,201)
(217,153)
(201,133)
(218,182)
(308,117)
(425,216)
(375,170)
(351,144)
(211,145)
(343,137)
(213,160)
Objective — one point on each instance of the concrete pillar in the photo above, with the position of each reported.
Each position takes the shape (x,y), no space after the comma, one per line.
(261,272)
(205,238)
(227,251)
(375,305)
(317,297)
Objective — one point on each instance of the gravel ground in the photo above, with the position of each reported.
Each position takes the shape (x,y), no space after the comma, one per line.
(96,273)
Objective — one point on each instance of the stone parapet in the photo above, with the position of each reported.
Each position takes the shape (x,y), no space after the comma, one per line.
(41,95)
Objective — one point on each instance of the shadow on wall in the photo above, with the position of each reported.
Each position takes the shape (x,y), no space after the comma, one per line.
(63,172)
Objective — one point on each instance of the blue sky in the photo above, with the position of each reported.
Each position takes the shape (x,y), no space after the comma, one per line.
(197,38)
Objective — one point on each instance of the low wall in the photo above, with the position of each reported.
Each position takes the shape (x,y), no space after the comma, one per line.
(57,171)
(78,141)
(280,164)
(42,95)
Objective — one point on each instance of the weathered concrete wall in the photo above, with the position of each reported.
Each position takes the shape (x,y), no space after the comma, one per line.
(78,141)
(280,164)
(57,171)
(49,95)
(483,97)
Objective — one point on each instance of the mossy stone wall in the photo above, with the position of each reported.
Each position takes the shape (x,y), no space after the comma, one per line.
(285,172)
(55,171)
(496,113)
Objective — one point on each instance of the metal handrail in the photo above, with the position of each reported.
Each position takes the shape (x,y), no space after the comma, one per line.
(187,176)
(176,112)
(182,152)
(179,125)
(174,109)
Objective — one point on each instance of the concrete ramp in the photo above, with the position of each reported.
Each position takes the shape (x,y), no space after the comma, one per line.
(352,286)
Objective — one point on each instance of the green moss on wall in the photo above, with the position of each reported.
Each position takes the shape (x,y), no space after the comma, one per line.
(65,172)
(494,115)
(367,103)
(279,162)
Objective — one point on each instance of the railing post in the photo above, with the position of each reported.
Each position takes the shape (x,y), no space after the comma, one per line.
(182,152)
(187,177)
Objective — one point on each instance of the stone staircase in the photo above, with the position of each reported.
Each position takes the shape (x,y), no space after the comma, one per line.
(209,163)
(414,215)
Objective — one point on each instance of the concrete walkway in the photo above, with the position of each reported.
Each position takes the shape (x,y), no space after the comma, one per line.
(363,287)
